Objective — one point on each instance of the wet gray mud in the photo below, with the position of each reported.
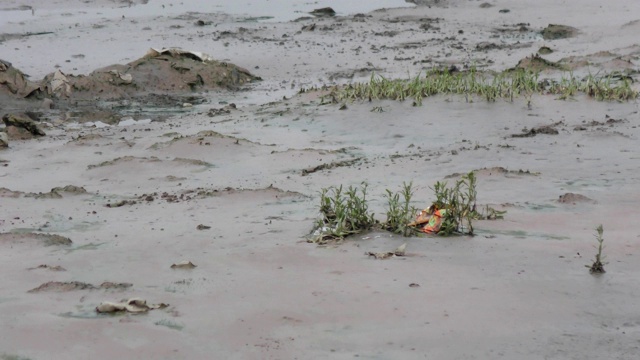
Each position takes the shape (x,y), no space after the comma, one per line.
(123,186)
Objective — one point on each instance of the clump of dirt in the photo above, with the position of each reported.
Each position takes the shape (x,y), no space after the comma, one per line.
(537,63)
(541,130)
(332,165)
(571,198)
(496,170)
(545,50)
(554,32)
(46,239)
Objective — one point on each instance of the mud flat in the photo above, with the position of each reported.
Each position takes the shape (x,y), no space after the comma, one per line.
(198,197)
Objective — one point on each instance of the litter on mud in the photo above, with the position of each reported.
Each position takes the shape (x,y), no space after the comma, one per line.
(133,305)
(429,220)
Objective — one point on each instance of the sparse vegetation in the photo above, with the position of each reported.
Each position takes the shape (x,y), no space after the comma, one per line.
(343,213)
(459,203)
(505,85)
(598,265)
(400,212)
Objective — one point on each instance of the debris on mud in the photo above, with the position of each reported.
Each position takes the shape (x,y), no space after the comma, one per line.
(496,170)
(134,305)
(332,165)
(609,122)
(400,251)
(186,264)
(21,126)
(222,111)
(541,130)
(121,203)
(46,239)
(59,286)
(571,198)
(203,227)
(201,193)
(555,32)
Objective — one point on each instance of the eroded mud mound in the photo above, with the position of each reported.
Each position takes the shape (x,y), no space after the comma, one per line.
(159,71)
(14,82)
(167,71)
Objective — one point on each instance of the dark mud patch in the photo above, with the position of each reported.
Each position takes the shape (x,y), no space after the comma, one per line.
(572,198)
(59,286)
(541,130)
(600,125)
(121,203)
(493,171)
(44,239)
(331,165)
(201,193)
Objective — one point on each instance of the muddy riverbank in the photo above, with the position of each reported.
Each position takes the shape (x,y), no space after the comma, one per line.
(122,192)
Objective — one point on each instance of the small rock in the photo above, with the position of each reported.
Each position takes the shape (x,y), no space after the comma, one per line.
(554,32)
(323,12)
(572,198)
(184,265)
(545,50)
